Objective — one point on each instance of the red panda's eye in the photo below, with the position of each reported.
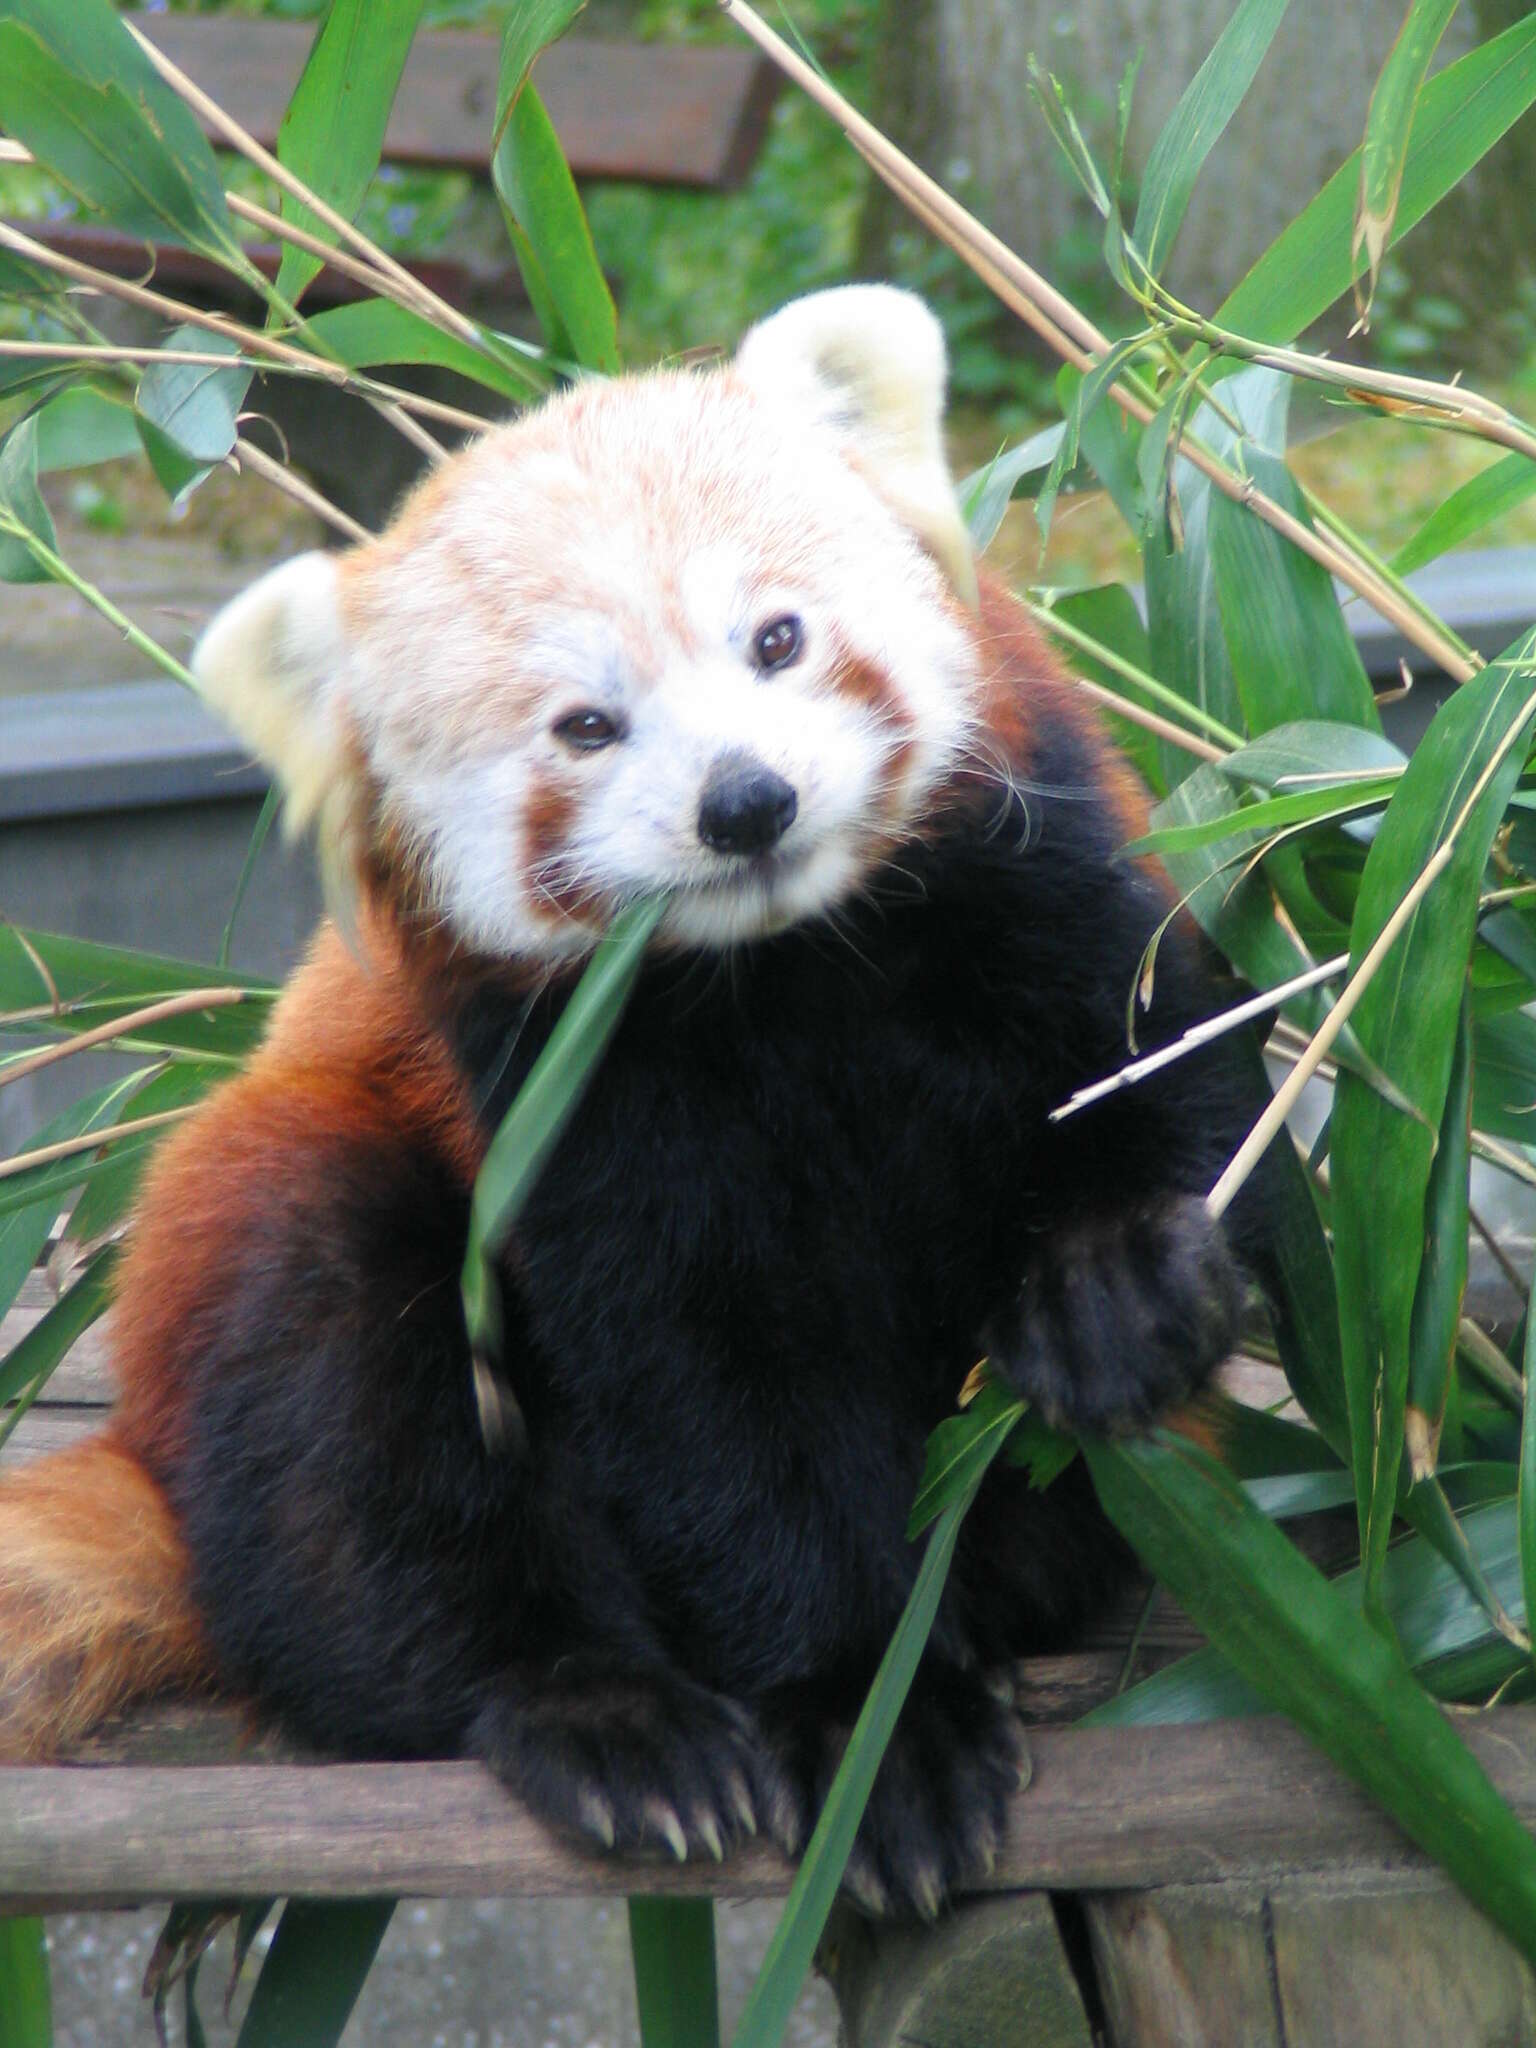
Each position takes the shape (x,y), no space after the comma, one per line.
(777,644)
(587,731)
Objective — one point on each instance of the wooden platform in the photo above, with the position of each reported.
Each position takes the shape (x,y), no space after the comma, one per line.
(1227,1886)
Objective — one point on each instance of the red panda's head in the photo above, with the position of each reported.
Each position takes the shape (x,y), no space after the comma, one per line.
(695,632)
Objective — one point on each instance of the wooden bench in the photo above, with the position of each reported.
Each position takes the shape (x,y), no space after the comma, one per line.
(1214,1884)
(692,116)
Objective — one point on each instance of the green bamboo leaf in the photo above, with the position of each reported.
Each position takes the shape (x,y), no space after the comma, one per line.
(1050,96)
(30,1362)
(1476,504)
(83,426)
(985,494)
(1270,814)
(332,133)
(1525,1502)
(1297,1640)
(552,241)
(1197,123)
(1388,120)
(93,984)
(266,818)
(959,1449)
(26,1997)
(1311,748)
(1442,1282)
(320,1955)
(79,92)
(672,1943)
(544,1104)
(539,201)
(21,502)
(1462,113)
(189,413)
(372,331)
(24,1232)
(1088,393)
(795,1939)
(1406,1021)
(1291,654)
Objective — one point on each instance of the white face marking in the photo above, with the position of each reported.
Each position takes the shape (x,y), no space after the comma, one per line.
(629,574)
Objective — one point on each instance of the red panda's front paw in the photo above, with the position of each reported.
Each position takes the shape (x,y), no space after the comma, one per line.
(938,1811)
(1121,1317)
(632,1759)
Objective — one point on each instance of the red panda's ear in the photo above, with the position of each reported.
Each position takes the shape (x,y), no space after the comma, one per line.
(269,664)
(866,362)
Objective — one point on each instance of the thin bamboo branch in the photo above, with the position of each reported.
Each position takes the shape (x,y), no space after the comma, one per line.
(1200,1034)
(62,572)
(1256,1144)
(1086,644)
(1500,1257)
(250,341)
(89,1141)
(248,456)
(1136,714)
(124,1027)
(1075,337)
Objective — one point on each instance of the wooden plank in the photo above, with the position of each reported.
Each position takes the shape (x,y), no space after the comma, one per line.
(1311,1962)
(1108,1809)
(689,116)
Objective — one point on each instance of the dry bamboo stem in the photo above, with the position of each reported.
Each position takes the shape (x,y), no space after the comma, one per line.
(125,1027)
(89,1141)
(248,456)
(1059,322)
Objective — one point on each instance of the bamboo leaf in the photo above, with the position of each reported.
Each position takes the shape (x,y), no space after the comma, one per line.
(1108,614)
(1312,806)
(105,1200)
(1087,394)
(1388,120)
(1442,1281)
(793,1946)
(544,215)
(320,1956)
(1296,1639)
(80,93)
(1197,123)
(189,413)
(26,1998)
(92,984)
(1406,1021)
(1462,113)
(985,494)
(21,501)
(1525,1500)
(1474,505)
(332,133)
(543,1106)
(959,1449)
(375,331)
(24,1232)
(672,1942)
(83,426)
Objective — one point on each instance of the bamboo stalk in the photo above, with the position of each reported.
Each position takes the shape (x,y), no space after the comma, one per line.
(1149,720)
(247,455)
(89,1141)
(125,1027)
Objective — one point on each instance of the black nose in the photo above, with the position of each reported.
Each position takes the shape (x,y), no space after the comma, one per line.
(745,808)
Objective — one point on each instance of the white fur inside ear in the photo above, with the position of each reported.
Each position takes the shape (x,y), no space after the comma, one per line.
(270,663)
(867,363)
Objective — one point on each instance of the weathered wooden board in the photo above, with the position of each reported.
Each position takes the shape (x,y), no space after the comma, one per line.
(690,116)
(1108,1809)
(1308,1963)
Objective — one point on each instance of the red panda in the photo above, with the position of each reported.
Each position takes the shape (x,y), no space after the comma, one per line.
(719,635)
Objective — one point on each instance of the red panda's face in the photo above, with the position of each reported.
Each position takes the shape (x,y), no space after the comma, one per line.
(668,634)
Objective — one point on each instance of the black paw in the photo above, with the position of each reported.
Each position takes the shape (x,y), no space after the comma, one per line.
(937,1814)
(1121,1317)
(631,1759)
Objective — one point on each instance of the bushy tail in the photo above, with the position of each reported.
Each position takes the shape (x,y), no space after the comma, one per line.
(95,1610)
